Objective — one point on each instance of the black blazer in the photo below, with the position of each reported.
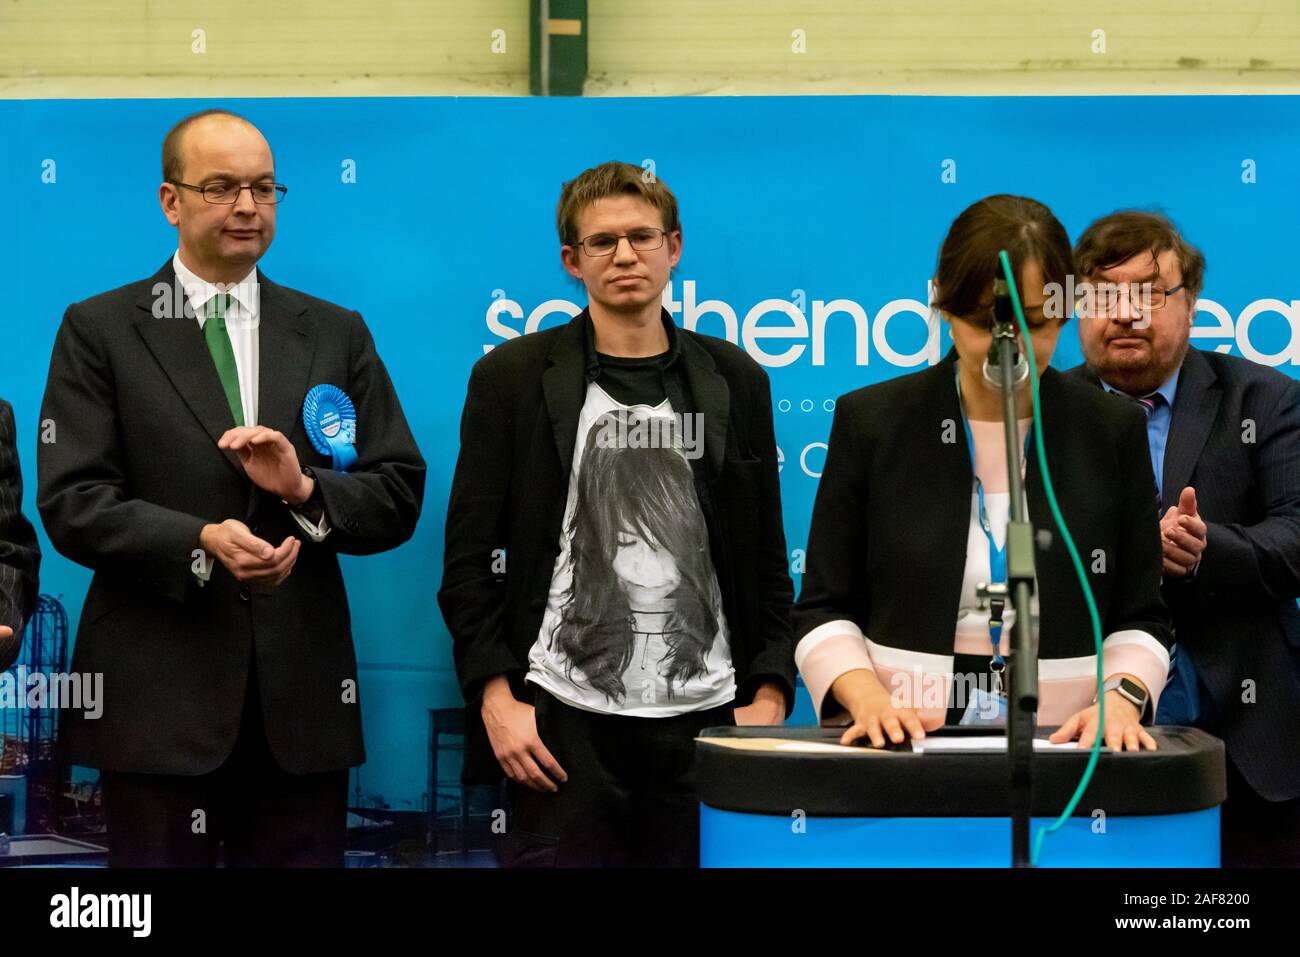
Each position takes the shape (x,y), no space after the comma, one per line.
(517,435)
(20,555)
(887,549)
(1237,619)
(132,476)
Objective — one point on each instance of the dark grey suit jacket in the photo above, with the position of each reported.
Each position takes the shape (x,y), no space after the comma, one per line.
(1235,438)
(134,474)
(20,556)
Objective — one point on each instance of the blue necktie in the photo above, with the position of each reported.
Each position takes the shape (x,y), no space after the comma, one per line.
(1150,402)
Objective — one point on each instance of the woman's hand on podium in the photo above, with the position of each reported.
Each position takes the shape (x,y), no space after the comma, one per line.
(873,711)
(1124,731)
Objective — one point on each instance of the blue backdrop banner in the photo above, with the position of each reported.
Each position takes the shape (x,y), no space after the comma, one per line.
(811,227)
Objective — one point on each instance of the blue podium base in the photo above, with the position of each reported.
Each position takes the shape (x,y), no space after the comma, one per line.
(733,839)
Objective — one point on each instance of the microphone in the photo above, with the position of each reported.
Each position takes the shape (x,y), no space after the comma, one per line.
(1004,327)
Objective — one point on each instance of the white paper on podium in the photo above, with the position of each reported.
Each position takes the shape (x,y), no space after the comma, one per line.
(789,745)
(986,742)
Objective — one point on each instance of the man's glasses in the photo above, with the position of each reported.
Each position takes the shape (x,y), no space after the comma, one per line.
(642,240)
(1101,300)
(223,193)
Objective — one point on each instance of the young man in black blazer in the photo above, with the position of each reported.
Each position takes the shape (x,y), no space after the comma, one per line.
(176,462)
(626,471)
(1224,435)
(20,555)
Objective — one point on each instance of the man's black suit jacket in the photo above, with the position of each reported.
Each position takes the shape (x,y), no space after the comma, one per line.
(133,473)
(517,436)
(1235,438)
(20,555)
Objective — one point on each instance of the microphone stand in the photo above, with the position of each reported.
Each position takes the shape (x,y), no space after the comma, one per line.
(1021,678)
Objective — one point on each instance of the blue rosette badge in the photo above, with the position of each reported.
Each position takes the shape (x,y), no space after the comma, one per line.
(331,422)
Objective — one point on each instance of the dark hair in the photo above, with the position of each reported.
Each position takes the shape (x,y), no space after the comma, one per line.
(649,492)
(612,179)
(1126,233)
(172,164)
(968,259)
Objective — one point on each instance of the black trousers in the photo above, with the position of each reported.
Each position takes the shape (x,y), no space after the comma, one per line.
(1255,832)
(630,797)
(247,813)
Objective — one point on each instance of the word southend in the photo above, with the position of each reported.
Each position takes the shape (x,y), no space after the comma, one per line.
(773,322)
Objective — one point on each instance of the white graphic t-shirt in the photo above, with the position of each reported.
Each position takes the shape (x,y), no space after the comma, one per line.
(634,622)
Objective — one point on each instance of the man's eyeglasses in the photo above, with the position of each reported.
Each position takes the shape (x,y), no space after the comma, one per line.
(223,193)
(1101,300)
(642,240)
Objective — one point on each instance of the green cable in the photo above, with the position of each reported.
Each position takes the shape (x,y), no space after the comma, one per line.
(1093,615)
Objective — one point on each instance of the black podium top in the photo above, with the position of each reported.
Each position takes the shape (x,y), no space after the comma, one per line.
(1185,774)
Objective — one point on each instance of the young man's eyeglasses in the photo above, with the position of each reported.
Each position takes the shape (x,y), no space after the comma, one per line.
(1101,300)
(224,193)
(642,240)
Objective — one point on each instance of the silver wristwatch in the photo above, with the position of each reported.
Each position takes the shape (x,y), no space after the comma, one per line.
(1130,690)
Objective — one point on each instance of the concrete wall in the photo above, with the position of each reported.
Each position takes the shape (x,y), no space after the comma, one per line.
(87,48)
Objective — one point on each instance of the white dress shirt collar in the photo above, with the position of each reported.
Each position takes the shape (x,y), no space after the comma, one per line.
(198,291)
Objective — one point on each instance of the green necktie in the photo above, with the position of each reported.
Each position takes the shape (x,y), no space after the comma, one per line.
(223,354)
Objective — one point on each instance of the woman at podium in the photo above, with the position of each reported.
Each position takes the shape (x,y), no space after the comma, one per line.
(894,636)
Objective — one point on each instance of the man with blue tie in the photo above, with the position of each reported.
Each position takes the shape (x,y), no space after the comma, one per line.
(1224,435)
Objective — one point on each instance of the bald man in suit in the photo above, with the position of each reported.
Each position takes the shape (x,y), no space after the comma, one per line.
(182,473)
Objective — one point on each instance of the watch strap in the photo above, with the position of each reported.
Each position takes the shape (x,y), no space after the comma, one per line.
(1131,691)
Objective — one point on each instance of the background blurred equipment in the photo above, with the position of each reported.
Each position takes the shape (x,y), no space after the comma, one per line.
(28,735)
(460,815)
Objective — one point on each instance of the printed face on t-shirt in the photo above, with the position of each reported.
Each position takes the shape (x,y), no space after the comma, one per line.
(641,595)
(646,572)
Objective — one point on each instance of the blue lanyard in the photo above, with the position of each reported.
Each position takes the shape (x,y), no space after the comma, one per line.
(997,554)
